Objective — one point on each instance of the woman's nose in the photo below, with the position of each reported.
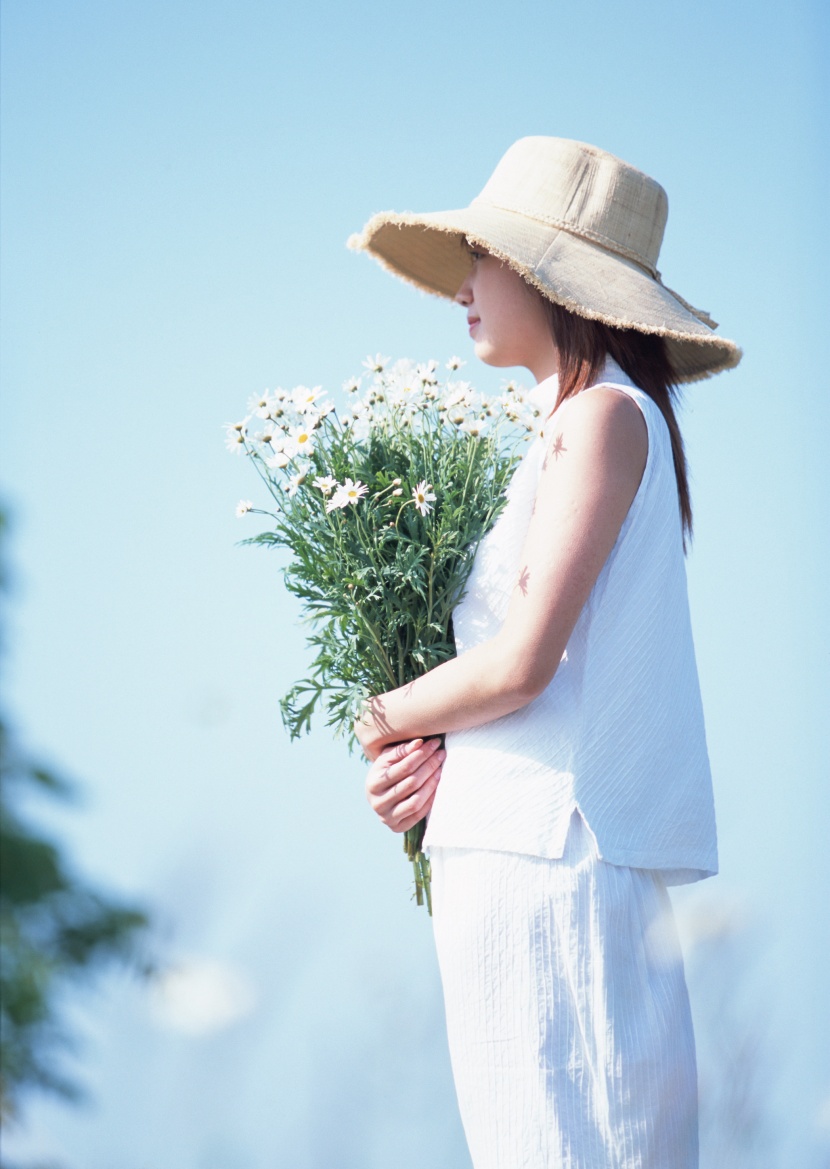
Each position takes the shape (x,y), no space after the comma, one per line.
(464,296)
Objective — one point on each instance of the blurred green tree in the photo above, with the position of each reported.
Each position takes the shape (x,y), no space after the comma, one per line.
(55,931)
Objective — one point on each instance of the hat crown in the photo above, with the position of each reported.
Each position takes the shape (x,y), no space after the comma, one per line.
(584,190)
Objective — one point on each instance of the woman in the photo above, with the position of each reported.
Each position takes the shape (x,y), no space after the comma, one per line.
(575,781)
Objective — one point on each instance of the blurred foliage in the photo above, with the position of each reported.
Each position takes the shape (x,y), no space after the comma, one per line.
(740,1068)
(55,931)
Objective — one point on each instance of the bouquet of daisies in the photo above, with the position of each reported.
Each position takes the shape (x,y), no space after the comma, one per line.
(382,504)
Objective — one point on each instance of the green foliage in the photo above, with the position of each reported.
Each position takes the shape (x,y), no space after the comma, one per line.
(54,933)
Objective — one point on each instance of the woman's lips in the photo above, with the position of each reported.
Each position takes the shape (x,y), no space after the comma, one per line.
(472,322)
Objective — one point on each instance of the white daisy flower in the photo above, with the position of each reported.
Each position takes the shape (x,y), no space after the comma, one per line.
(458,394)
(303,397)
(455,363)
(426,372)
(474,426)
(362,410)
(508,405)
(277,461)
(516,391)
(243,507)
(353,491)
(235,436)
(261,404)
(352,385)
(350,492)
(325,483)
(293,485)
(313,419)
(423,496)
(376,364)
(302,439)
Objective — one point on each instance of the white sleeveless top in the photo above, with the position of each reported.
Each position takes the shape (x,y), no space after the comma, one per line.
(618,733)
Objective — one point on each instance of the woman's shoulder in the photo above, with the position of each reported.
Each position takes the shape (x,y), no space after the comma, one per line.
(604,421)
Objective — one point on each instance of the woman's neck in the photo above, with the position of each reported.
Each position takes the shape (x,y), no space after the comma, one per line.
(544,364)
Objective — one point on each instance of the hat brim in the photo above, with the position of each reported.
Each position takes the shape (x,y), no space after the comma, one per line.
(428,251)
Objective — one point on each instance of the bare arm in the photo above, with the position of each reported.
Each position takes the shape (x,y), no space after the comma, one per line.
(595,461)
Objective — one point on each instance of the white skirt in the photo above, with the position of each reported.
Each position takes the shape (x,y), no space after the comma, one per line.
(567,1012)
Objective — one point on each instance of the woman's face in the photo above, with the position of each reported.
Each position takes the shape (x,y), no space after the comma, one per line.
(506,318)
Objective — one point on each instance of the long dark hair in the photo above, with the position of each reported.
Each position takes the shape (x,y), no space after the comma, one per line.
(582,346)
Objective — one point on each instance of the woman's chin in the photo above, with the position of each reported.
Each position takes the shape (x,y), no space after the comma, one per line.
(492,355)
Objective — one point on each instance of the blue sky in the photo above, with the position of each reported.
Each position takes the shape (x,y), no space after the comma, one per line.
(179,180)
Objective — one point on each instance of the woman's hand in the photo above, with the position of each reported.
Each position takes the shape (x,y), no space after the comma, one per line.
(401,782)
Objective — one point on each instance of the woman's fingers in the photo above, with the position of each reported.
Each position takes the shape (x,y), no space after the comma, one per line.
(395,764)
(387,792)
(401,783)
(401,768)
(397,799)
(408,812)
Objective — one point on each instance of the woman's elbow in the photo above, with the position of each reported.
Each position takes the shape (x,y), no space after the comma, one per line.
(524,673)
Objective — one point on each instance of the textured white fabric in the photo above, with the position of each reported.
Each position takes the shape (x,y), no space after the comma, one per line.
(567,1012)
(619,731)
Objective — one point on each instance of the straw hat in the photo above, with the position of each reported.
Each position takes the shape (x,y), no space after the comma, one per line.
(580,225)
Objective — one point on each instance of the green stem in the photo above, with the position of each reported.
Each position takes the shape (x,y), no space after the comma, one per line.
(273,490)
(383,656)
